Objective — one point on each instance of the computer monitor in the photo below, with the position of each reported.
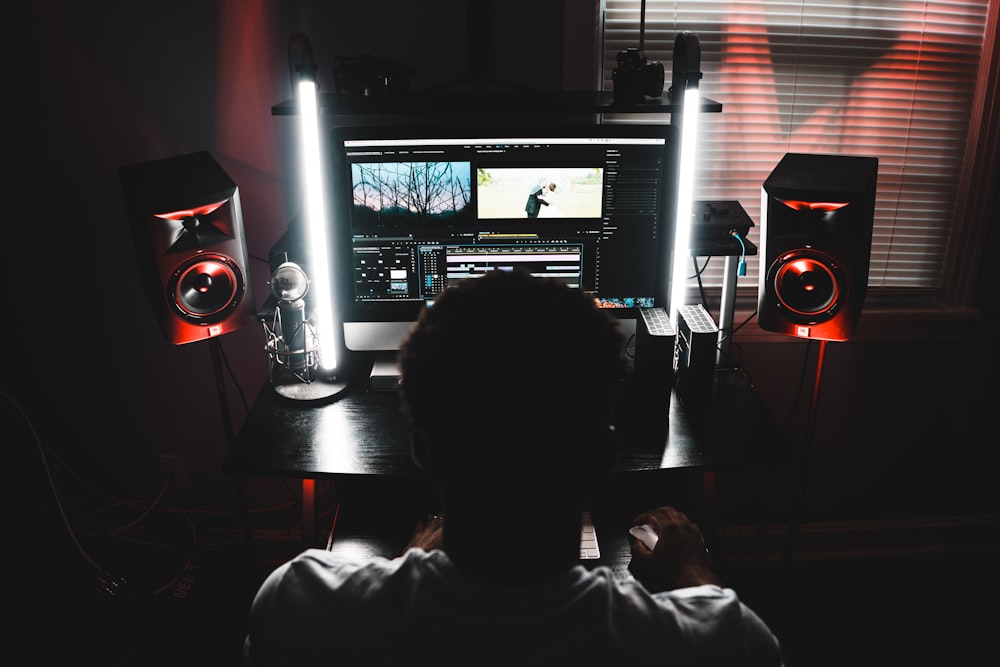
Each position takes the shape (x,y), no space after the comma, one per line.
(417,208)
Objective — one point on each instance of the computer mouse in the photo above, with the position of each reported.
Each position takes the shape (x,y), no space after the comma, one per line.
(645,534)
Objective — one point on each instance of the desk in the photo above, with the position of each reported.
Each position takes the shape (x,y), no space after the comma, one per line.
(364,434)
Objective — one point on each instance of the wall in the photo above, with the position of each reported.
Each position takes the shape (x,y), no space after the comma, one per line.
(91,89)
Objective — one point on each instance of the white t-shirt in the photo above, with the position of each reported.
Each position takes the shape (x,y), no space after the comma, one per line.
(318,609)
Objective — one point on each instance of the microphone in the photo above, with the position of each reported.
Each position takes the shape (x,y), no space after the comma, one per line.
(291,331)
(292,344)
(293,347)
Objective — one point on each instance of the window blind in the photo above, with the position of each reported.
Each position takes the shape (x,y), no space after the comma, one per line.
(889,79)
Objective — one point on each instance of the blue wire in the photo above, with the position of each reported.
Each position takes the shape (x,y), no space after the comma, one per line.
(742,269)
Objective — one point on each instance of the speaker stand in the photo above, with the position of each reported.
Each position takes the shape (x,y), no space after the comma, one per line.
(242,508)
(220,388)
(802,465)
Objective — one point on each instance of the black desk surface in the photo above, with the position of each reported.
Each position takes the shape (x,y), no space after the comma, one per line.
(364,433)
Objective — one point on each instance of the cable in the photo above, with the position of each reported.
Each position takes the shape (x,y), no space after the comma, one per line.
(742,268)
(107,522)
(630,347)
(744,322)
(697,273)
(51,481)
(333,527)
(798,392)
(232,376)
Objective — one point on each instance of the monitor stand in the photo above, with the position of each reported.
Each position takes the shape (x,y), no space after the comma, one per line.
(384,375)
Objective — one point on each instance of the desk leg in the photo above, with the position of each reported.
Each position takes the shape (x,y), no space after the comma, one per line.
(727,307)
(243,507)
(708,525)
(708,480)
(309,512)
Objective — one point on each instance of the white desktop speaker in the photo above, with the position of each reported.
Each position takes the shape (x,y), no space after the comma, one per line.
(654,355)
(695,355)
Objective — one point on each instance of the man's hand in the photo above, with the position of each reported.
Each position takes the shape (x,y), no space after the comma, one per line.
(426,534)
(679,559)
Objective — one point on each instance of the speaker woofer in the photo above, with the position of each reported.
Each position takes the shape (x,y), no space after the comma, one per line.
(206,288)
(808,285)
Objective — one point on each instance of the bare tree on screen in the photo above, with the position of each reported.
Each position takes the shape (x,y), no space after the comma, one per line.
(425,190)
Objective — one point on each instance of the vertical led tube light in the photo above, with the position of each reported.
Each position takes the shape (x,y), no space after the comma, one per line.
(685,195)
(310,150)
(684,91)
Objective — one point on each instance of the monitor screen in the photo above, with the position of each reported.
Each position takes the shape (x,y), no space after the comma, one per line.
(419,208)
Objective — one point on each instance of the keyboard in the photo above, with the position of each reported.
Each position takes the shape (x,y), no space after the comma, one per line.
(589,548)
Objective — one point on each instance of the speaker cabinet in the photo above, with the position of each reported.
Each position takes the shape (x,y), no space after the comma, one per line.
(817,215)
(187,226)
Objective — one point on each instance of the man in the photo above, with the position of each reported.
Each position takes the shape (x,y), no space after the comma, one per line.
(536,199)
(508,386)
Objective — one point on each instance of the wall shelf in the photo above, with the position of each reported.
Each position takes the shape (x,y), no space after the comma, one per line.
(506,103)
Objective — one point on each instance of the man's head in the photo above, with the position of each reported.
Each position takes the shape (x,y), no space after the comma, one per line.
(507,368)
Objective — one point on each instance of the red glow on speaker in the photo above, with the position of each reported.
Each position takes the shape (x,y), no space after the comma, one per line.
(191,212)
(802,267)
(798,205)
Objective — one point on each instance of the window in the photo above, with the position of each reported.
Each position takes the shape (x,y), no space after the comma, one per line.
(911,83)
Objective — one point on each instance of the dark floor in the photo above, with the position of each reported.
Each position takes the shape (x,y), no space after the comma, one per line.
(174,588)
(914,610)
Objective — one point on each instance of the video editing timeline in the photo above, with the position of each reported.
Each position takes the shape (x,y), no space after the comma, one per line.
(600,230)
(390,271)
(562,261)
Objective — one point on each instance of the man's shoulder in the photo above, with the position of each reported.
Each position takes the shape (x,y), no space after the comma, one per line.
(318,575)
(331,567)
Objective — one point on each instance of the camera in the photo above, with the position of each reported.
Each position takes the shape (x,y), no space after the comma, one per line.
(635,78)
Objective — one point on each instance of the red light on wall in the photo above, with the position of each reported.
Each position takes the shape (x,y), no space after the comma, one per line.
(798,205)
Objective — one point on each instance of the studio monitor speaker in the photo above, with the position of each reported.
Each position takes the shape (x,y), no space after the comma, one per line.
(817,213)
(187,226)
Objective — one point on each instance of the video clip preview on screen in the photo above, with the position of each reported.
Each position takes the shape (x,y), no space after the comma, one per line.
(586,205)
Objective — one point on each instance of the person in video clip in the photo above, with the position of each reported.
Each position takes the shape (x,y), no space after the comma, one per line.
(538,198)
(514,455)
